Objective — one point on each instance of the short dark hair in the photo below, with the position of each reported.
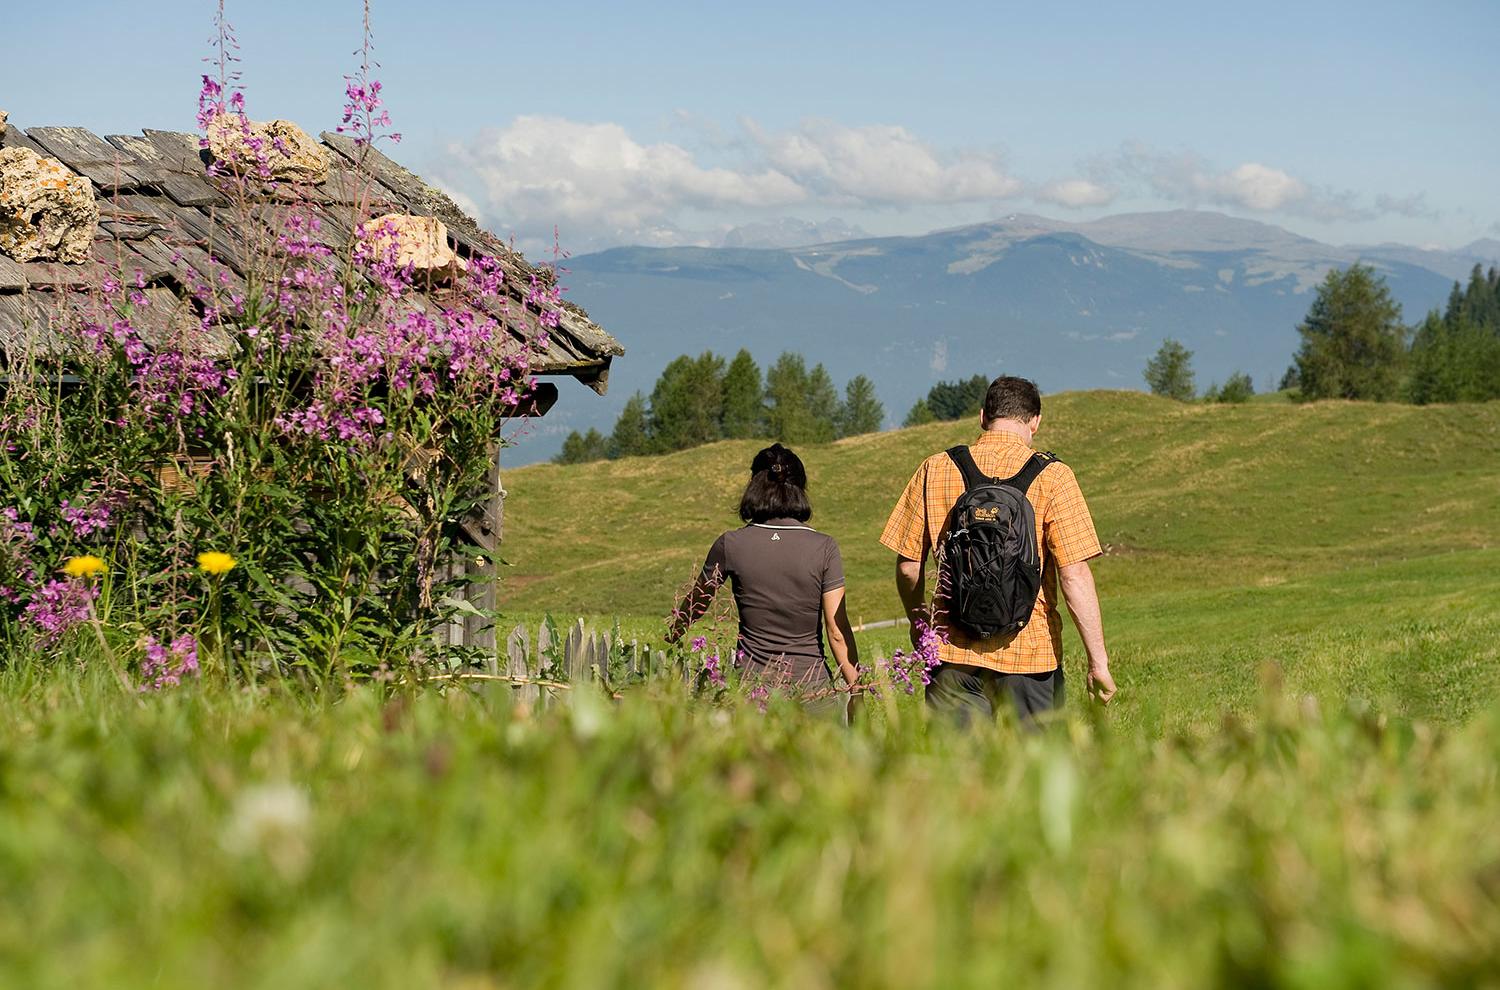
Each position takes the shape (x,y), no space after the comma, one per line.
(777,488)
(1014,398)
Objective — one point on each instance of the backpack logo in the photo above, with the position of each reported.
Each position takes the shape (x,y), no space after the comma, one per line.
(990,570)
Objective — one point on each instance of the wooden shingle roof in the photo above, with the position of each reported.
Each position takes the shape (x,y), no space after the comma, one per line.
(158,211)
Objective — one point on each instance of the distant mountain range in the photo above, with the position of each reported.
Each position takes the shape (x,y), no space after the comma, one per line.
(1073,305)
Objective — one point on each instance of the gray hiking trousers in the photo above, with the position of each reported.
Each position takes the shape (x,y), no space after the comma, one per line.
(964,695)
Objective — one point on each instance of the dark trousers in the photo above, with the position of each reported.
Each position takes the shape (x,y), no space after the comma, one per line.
(964,695)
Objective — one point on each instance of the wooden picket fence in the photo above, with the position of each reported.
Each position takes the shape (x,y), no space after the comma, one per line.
(555,661)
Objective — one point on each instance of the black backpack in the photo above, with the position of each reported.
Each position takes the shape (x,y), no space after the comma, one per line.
(989,568)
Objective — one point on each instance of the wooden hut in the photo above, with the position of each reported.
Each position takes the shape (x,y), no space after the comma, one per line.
(158,210)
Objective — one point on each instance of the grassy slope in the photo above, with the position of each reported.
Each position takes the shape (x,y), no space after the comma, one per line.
(1360,533)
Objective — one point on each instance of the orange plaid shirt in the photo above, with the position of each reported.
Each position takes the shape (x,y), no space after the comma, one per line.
(1065,535)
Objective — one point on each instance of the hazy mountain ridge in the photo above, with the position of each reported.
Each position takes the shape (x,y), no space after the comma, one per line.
(788,232)
(1072,304)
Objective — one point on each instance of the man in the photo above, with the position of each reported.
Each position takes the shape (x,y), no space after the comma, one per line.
(978,677)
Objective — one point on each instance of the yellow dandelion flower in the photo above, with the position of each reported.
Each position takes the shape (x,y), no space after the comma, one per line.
(215,562)
(84,566)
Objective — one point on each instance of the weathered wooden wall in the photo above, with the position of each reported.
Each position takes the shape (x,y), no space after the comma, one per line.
(484,529)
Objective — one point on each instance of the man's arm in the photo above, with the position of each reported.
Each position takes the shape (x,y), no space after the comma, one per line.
(1083,601)
(911,586)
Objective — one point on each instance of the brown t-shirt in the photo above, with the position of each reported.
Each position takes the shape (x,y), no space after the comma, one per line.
(779,571)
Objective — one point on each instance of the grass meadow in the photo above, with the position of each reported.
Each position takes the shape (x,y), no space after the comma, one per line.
(1297,786)
(1355,545)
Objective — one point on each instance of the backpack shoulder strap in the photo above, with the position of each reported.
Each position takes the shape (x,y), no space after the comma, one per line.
(1022,479)
(973,477)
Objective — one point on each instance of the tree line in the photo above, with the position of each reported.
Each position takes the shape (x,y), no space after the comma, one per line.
(948,401)
(698,400)
(1354,345)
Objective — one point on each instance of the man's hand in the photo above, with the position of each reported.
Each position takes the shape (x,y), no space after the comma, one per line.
(1101,685)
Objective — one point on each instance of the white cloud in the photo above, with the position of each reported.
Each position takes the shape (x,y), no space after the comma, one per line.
(595,178)
(1187,177)
(939,360)
(1408,206)
(1253,186)
(1118,337)
(1076,193)
(880,165)
(551,170)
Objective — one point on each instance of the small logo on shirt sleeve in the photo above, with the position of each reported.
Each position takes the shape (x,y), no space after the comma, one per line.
(775,537)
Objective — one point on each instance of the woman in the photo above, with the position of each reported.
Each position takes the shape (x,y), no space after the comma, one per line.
(788,582)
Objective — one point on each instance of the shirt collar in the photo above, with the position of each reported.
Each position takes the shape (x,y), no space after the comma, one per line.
(1000,438)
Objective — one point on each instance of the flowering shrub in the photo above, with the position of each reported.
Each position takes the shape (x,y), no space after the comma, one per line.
(323,417)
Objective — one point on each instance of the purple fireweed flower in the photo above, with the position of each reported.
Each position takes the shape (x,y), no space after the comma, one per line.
(164,666)
(908,669)
(699,642)
(89,518)
(58,606)
(712,669)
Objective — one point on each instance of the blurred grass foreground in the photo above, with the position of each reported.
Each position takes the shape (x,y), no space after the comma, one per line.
(253,838)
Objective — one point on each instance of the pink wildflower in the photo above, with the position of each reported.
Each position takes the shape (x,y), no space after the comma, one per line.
(58,606)
(910,668)
(714,672)
(166,667)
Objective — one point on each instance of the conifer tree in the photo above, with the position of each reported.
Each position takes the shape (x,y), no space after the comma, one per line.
(1236,388)
(920,414)
(631,436)
(788,417)
(744,399)
(687,404)
(861,411)
(1456,357)
(580,448)
(1479,302)
(1170,372)
(1353,341)
(1453,361)
(955,400)
(822,406)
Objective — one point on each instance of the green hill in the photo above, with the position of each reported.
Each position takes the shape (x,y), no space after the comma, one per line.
(1343,540)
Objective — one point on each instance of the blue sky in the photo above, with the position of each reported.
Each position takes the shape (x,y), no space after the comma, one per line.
(669,123)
